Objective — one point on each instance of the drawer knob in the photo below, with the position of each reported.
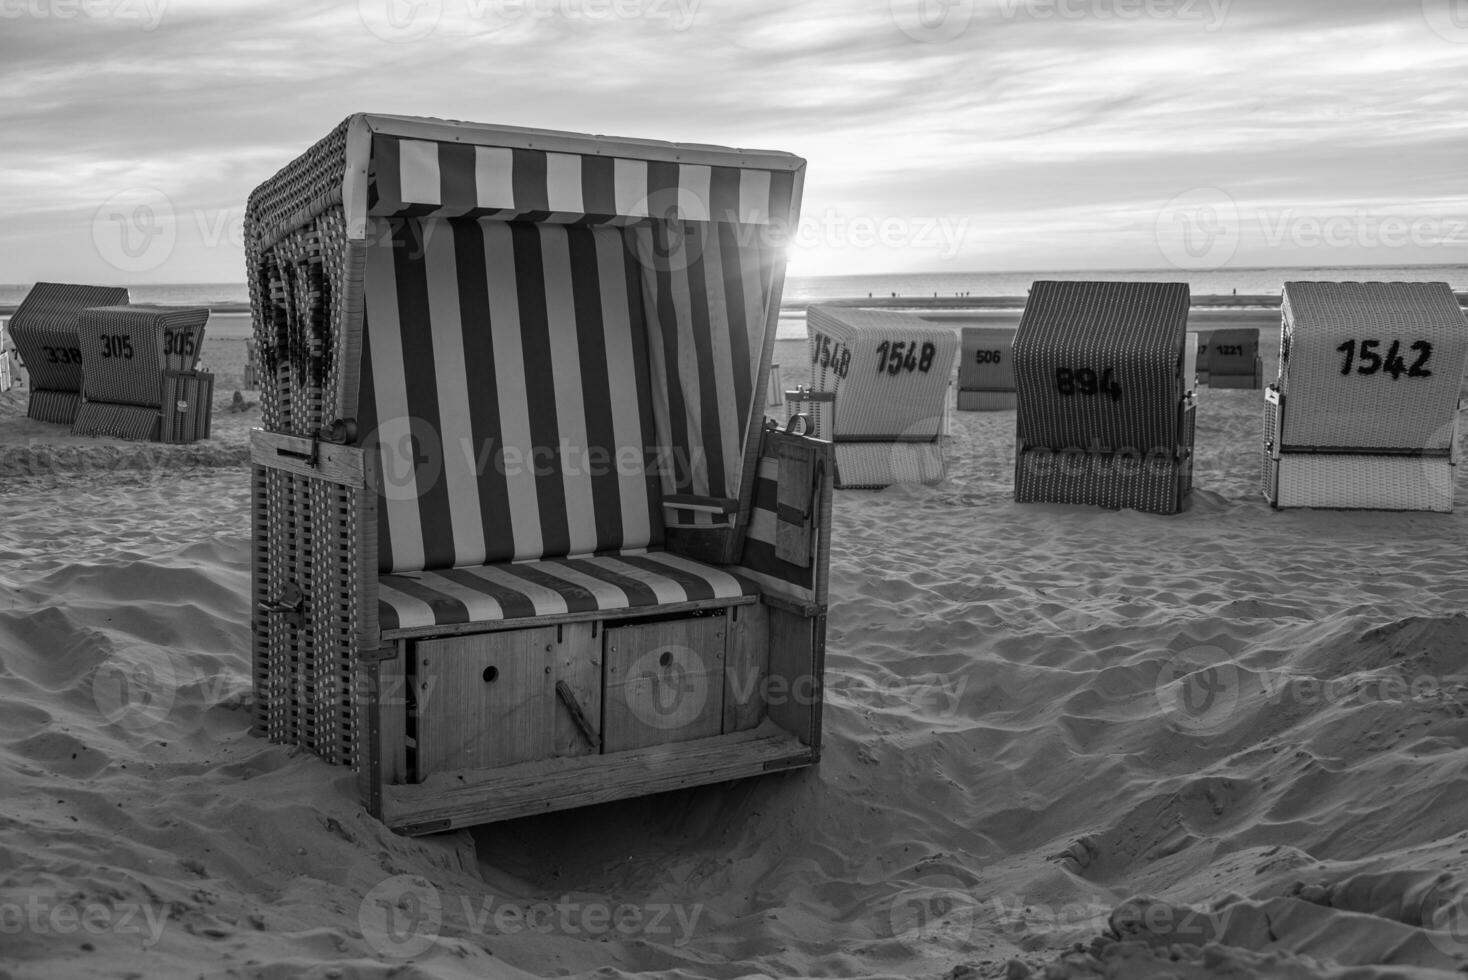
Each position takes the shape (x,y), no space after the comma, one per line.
(491,674)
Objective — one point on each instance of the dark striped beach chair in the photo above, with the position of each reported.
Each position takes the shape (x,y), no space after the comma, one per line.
(1365,412)
(44,329)
(1103,371)
(523,538)
(1233,360)
(879,393)
(134,357)
(986,370)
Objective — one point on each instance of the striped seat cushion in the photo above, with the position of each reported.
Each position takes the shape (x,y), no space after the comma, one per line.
(496,593)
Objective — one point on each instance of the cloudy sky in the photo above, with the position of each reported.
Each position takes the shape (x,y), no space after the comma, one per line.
(942,135)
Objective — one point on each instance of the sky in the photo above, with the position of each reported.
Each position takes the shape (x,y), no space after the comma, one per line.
(940,135)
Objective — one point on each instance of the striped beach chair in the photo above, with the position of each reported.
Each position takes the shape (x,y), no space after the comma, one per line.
(523,538)
(986,370)
(879,393)
(44,329)
(1365,412)
(1106,413)
(132,357)
(1232,360)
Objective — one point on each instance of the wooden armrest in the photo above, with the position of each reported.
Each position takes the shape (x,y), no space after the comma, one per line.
(706,505)
(328,461)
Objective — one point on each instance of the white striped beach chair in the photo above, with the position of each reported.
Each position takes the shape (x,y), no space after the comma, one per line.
(986,370)
(44,329)
(1233,360)
(523,540)
(132,356)
(880,386)
(1106,413)
(1365,412)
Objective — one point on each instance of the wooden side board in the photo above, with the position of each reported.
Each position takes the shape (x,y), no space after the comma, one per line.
(451,800)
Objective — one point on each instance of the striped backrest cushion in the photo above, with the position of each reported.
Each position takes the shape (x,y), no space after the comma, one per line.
(707,290)
(1098,366)
(507,388)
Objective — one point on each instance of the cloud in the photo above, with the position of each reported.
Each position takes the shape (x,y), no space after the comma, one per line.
(1055,130)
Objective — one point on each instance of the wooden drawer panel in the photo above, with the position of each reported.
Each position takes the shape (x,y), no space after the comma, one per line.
(489,700)
(664,682)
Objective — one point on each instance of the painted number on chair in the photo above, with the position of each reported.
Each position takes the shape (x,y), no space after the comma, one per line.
(836,356)
(1367,358)
(896,356)
(988,357)
(178,344)
(63,355)
(1085,381)
(118,345)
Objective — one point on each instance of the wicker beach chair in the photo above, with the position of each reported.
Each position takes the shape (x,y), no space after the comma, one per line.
(523,539)
(44,329)
(9,362)
(138,380)
(879,392)
(986,370)
(1365,412)
(1233,360)
(1106,413)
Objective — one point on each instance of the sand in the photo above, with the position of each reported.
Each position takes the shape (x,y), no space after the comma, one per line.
(1023,772)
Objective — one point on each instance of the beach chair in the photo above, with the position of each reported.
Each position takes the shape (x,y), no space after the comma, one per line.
(1203,338)
(879,393)
(775,389)
(1106,413)
(1365,412)
(986,370)
(138,380)
(523,540)
(1233,359)
(44,329)
(9,363)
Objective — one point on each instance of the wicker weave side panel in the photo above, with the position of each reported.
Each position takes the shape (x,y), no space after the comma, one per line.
(1268,464)
(1366,482)
(307,548)
(1154,486)
(57,407)
(306,299)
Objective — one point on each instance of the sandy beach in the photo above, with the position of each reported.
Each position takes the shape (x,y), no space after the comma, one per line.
(1018,780)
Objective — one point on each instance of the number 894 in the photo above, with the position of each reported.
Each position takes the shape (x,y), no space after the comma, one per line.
(1085,381)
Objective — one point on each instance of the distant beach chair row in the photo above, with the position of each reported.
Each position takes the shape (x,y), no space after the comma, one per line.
(1104,378)
(108,368)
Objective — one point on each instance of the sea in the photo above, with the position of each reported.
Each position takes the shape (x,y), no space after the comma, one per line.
(800,291)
